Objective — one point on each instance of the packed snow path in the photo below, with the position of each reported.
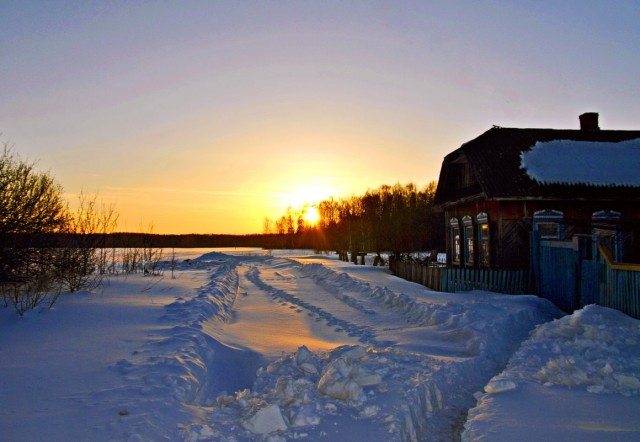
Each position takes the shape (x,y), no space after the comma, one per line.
(421,354)
(240,348)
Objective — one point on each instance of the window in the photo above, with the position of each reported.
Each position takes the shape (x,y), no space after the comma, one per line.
(483,239)
(548,230)
(548,224)
(455,240)
(467,224)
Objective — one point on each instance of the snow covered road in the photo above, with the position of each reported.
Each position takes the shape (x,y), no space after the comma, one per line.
(240,348)
(423,354)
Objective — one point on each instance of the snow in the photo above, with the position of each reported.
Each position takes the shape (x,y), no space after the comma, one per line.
(584,162)
(274,346)
(578,377)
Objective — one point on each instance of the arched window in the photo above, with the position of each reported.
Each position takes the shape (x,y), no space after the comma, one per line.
(455,240)
(548,224)
(483,239)
(467,225)
(606,228)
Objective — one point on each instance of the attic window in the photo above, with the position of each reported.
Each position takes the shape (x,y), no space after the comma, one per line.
(459,174)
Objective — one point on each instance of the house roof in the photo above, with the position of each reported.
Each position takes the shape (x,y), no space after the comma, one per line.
(495,160)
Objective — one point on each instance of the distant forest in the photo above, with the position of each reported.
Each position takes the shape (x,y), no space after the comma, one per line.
(399,219)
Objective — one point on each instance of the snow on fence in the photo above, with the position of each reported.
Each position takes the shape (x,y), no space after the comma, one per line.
(453,279)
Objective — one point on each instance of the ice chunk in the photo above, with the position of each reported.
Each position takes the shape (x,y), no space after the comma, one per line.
(356,353)
(366,379)
(266,420)
(369,411)
(284,388)
(305,417)
(308,369)
(499,385)
(628,381)
(340,388)
(596,389)
(303,355)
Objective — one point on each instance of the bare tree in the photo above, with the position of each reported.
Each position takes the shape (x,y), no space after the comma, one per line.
(151,255)
(31,209)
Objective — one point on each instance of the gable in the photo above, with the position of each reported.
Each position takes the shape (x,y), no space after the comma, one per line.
(458,178)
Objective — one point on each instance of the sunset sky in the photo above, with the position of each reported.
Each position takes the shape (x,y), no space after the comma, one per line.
(207,116)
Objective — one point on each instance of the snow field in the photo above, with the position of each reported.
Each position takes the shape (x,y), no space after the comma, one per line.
(384,391)
(266,347)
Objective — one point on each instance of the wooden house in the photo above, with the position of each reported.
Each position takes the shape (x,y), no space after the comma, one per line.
(505,184)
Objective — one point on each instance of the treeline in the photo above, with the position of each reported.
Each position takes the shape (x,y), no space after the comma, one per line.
(121,240)
(399,219)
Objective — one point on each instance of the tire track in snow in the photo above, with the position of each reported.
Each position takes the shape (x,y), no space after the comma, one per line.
(363,333)
(333,291)
(414,313)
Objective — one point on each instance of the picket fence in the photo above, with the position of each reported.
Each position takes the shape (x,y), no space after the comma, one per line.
(451,279)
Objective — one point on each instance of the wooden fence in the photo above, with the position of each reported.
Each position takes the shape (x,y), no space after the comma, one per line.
(451,279)
(571,274)
(618,285)
(580,272)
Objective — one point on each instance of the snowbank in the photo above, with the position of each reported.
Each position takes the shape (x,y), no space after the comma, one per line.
(580,374)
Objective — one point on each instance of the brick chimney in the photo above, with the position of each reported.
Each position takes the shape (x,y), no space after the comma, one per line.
(589,121)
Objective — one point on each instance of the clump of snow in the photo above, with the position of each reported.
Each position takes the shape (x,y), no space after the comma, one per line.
(597,349)
(584,162)
(266,420)
(593,355)
(496,385)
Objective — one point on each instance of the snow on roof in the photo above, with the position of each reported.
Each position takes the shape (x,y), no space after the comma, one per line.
(584,162)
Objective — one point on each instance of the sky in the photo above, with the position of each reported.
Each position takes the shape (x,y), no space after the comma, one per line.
(208,116)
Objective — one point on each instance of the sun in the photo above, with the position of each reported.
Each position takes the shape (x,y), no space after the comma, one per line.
(311,215)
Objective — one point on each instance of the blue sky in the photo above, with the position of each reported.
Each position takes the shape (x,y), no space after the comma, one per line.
(206,116)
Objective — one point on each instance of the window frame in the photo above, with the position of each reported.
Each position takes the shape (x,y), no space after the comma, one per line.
(484,244)
(469,246)
(549,220)
(454,227)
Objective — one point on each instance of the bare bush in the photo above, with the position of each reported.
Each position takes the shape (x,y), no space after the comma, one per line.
(44,247)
